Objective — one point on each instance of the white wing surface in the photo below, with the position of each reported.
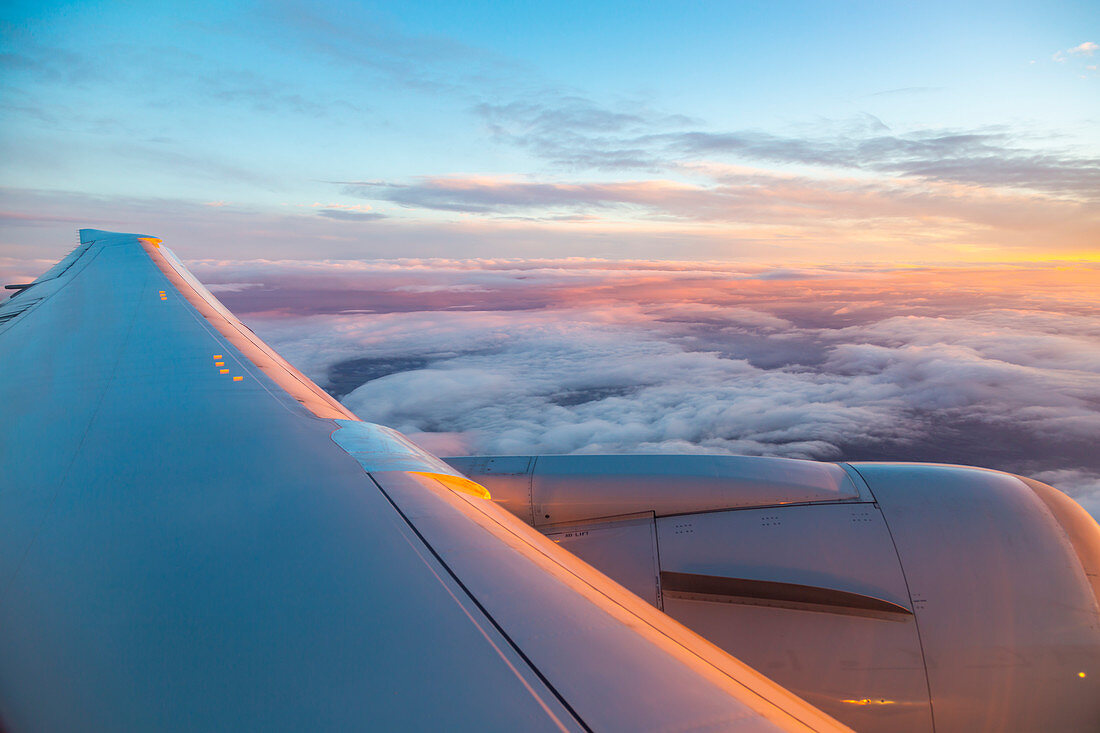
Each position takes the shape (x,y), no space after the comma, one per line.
(194,536)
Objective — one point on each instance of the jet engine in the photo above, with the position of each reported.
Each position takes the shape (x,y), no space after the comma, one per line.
(893,596)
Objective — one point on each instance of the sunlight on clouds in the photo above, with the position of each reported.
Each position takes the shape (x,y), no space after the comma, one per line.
(996,366)
(795,212)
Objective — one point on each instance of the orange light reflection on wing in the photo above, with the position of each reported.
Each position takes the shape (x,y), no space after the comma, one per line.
(868,701)
(458,483)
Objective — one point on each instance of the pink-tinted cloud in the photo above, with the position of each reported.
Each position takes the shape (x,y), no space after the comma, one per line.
(745,202)
(996,366)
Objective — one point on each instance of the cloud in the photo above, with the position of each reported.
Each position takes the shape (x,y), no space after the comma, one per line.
(231,287)
(980,158)
(19,218)
(346,215)
(817,208)
(577,134)
(724,212)
(138,69)
(482,194)
(364,40)
(994,366)
(997,366)
(1083,49)
(1084,486)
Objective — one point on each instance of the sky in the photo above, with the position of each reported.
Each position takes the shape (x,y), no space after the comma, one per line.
(829,230)
(774,131)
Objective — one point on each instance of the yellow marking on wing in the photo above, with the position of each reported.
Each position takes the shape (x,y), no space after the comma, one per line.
(457,483)
(223,371)
(869,701)
(237,379)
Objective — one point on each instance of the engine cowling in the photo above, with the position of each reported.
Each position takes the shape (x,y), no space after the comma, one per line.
(892,596)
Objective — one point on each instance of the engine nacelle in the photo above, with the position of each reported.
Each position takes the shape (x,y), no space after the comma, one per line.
(892,596)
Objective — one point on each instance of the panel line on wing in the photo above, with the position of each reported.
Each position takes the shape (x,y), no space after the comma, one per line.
(854,472)
(481,512)
(476,602)
(481,629)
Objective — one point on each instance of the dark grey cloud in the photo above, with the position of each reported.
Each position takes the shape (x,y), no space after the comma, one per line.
(578,134)
(986,158)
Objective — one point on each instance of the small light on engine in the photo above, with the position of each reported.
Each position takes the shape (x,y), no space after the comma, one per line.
(1082,675)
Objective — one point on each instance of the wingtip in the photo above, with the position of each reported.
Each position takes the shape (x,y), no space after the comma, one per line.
(87,236)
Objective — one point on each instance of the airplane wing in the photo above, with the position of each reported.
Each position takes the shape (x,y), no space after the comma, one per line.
(194,536)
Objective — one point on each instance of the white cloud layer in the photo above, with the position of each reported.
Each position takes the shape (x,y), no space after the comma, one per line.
(579,356)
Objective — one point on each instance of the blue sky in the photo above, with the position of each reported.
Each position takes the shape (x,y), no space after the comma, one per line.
(664,130)
(678,207)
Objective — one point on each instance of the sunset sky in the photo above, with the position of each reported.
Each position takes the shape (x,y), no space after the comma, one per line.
(843,230)
(779,132)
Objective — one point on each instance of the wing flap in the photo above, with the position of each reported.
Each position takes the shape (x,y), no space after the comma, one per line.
(581,630)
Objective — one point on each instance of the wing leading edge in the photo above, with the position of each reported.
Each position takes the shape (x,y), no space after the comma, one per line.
(194,535)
